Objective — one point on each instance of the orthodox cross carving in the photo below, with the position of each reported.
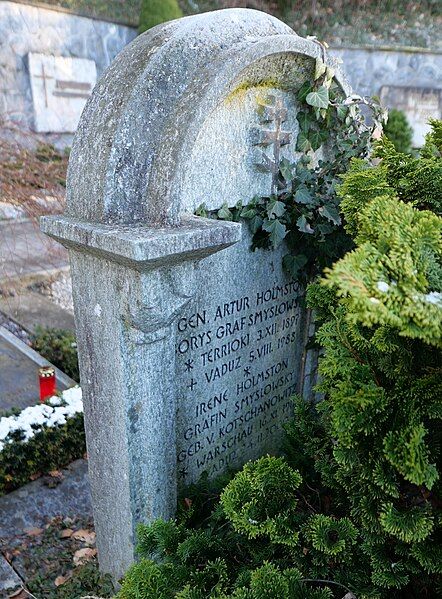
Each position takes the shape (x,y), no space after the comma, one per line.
(273,115)
(67,89)
(44,77)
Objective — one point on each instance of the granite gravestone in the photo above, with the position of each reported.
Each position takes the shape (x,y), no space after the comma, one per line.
(190,344)
(60,88)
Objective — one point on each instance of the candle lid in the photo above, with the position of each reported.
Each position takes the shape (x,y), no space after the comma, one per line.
(46,371)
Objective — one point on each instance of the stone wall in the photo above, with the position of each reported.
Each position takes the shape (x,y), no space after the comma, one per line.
(28,29)
(408,79)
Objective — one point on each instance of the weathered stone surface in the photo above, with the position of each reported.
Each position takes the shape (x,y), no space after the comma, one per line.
(409,80)
(9,579)
(419,105)
(33,505)
(28,29)
(60,87)
(190,344)
(369,69)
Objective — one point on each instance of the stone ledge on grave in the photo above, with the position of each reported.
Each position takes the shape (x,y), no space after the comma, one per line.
(141,246)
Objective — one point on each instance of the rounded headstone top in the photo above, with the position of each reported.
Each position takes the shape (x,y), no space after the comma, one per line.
(174,121)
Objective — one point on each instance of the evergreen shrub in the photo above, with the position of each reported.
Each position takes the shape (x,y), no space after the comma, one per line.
(154,12)
(398,131)
(354,508)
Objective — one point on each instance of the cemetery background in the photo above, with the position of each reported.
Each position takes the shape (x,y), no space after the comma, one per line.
(424,69)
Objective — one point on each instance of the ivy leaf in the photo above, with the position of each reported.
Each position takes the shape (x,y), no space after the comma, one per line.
(303,143)
(304,121)
(248,212)
(224,212)
(304,175)
(293,264)
(275,209)
(331,213)
(305,160)
(303,196)
(352,99)
(303,225)
(318,98)
(255,224)
(276,230)
(320,68)
(330,73)
(341,112)
(325,228)
(202,211)
(285,168)
(303,92)
(317,138)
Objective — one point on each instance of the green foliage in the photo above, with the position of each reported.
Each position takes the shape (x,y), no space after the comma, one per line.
(414,180)
(381,369)
(253,503)
(394,276)
(154,12)
(59,347)
(226,556)
(303,210)
(386,280)
(49,449)
(433,141)
(86,579)
(331,536)
(355,507)
(398,131)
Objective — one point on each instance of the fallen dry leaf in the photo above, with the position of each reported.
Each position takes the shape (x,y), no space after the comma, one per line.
(84,555)
(55,473)
(87,536)
(35,476)
(66,533)
(33,532)
(62,579)
(58,474)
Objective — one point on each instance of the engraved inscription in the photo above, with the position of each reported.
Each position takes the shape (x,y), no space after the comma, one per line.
(236,361)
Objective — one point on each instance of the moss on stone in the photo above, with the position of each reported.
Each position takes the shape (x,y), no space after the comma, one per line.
(240,91)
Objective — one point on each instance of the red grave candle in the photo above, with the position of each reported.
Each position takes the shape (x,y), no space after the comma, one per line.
(48,385)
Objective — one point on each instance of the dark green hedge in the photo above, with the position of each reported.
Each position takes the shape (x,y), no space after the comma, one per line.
(50,449)
(398,131)
(154,12)
(59,347)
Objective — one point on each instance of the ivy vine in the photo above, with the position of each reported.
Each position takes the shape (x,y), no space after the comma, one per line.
(304,210)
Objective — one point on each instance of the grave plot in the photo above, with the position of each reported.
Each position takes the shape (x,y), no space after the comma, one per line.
(19,366)
(190,343)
